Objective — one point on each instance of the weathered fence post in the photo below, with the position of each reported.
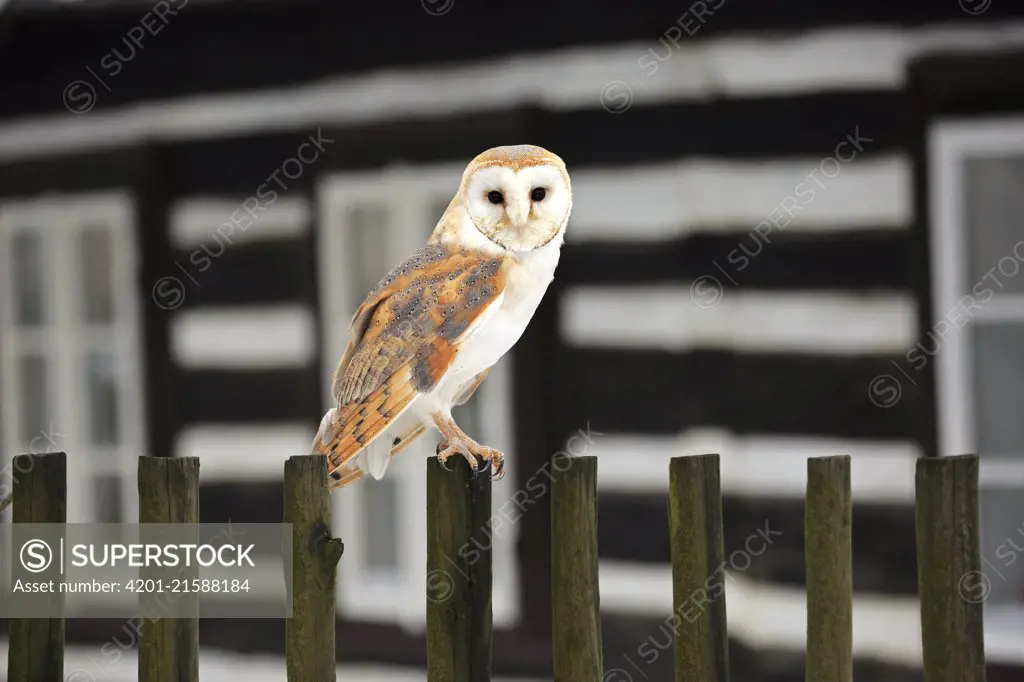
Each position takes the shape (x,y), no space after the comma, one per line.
(829,562)
(458,582)
(309,633)
(575,599)
(698,569)
(169,493)
(949,576)
(36,647)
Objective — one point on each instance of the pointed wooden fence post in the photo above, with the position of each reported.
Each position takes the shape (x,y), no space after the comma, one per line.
(169,493)
(698,570)
(829,561)
(458,581)
(36,646)
(575,599)
(310,632)
(950,580)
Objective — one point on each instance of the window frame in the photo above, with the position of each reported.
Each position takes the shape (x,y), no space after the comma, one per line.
(411,195)
(59,221)
(950,144)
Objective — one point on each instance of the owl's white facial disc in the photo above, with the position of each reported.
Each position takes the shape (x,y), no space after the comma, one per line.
(519,210)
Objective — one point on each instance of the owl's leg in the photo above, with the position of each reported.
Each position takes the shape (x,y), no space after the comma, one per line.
(454,441)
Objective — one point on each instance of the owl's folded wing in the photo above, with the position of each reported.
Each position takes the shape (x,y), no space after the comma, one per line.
(403,339)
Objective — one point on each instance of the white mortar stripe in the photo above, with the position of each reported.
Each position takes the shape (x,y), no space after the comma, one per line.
(656,201)
(1001,471)
(196,221)
(117,664)
(765,616)
(244,453)
(725,67)
(761,466)
(668,317)
(762,615)
(243,339)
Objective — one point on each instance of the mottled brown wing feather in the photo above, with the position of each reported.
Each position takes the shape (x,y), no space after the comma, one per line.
(434,296)
(403,339)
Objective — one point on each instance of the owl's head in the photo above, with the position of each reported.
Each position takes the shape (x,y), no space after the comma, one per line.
(517,197)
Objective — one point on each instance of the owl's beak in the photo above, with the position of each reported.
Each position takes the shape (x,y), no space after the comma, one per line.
(519,214)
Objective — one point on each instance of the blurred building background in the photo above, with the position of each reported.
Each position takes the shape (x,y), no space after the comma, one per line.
(796,232)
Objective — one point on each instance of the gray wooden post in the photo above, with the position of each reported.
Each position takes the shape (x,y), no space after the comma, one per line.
(829,560)
(169,493)
(576,610)
(698,554)
(458,581)
(950,580)
(36,647)
(310,632)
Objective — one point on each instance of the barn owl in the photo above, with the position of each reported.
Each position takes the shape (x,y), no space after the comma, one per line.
(427,334)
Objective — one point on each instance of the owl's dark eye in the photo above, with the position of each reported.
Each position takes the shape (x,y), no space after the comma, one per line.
(494,196)
(538,194)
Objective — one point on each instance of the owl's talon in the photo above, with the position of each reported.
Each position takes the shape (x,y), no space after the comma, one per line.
(456,446)
(499,470)
(495,459)
(454,441)
(442,454)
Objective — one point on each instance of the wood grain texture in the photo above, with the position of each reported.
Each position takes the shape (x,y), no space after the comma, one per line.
(829,559)
(169,647)
(698,580)
(950,578)
(575,598)
(310,632)
(36,648)
(459,578)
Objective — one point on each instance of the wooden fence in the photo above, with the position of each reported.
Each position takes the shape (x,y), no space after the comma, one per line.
(458,579)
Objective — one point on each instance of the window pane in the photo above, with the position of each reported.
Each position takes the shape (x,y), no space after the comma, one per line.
(27,275)
(108,499)
(999,388)
(380,518)
(101,396)
(96,248)
(33,396)
(367,256)
(995,204)
(1002,545)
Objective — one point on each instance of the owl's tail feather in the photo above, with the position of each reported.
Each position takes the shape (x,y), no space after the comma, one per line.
(373,458)
(326,437)
(326,441)
(352,428)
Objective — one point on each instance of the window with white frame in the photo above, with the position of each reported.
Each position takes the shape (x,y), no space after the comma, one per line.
(369,223)
(69,346)
(977,204)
